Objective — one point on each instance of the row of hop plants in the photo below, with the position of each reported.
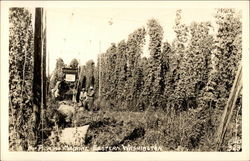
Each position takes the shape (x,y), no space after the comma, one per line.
(195,71)
(21,122)
(196,67)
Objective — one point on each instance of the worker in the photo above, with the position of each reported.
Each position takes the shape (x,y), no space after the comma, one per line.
(83,97)
(74,91)
(55,90)
(90,98)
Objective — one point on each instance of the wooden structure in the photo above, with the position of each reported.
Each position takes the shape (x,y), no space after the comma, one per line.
(228,111)
(70,74)
(71,77)
(39,79)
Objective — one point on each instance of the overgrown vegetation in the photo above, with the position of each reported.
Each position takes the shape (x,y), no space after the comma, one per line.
(172,99)
(20,80)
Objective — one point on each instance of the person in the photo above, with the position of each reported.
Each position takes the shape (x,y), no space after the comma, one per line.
(83,97)
(90,98)
(74,91)
(55,90)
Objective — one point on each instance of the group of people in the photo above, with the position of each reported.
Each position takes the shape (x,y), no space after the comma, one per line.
(87,98)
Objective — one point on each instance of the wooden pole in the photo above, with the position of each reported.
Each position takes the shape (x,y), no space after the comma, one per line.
(43,73)
(43,63)
(37,79)
(228,111)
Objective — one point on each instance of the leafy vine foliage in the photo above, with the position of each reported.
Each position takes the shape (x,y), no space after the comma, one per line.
(57,74)
(188,81)
(196,71)
(228,51)
(20,79)
(179,75)
(74,63)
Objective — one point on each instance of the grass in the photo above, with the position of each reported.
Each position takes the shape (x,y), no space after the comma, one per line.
(165,130)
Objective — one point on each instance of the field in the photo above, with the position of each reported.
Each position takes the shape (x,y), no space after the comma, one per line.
(111,130)
(175,96)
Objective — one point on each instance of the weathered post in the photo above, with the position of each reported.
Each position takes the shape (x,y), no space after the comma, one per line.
(228,111)
(39,79)
(43,65)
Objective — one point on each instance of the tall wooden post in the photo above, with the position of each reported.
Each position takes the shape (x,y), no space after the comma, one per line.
(228,111)
(39,80)
(44,78)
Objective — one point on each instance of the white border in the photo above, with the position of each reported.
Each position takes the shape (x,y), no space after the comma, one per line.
(6,155)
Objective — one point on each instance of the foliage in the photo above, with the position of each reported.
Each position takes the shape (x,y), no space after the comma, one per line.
(57,74)
(154,83)
(82,77)
(133,84)
(181,76)
(97,75)
(168,73)
(90,73)
(195,66)
(172,99)
(179,49)
(74,63)
(20,79)
(228,51)
(120,73)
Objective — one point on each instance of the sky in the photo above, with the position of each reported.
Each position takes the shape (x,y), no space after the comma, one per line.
(83,33)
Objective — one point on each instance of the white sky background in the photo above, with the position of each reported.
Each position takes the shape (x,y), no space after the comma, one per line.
(85,32)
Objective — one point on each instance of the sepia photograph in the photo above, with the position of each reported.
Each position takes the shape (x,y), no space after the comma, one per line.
(99,78)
